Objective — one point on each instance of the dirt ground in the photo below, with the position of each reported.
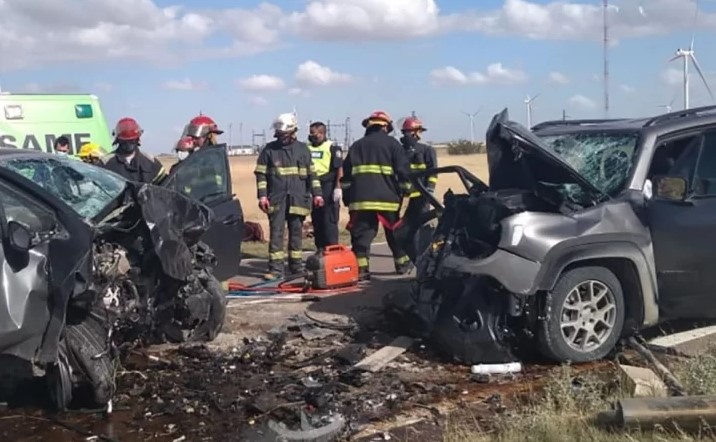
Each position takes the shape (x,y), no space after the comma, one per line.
(244,184)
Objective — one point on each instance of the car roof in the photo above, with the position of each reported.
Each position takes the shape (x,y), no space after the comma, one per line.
(669,122)
(6,153)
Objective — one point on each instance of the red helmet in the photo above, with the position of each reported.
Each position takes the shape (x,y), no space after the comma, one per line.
(127,129)
(201,126)
(413,124)
(379,118)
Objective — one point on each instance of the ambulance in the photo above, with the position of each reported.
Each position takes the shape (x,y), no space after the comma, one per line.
(35,121)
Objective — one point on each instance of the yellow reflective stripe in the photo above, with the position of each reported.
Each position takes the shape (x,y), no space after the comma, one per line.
(418,166)
(372,168)
(276,255)
(402,259)
(295,210)
(375,205)
(286,171)
(433,179)
(414,195)
(295,254)
(260,169)
(406,186)
(345,185)
(362,262)
(262,185)
(187,189)
(316,184)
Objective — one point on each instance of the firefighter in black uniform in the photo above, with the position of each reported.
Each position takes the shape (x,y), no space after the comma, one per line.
(286,184)
(375,180)
(421,157)
(127,160)
(327,161)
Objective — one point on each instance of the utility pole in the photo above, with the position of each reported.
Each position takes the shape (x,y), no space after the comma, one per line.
(606,59)
(330,125)
(260,135)
(241,135)
(231,133)
(347,141)
(412,114)
(564,115)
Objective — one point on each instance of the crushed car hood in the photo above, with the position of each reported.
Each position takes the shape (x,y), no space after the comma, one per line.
(518,159)
(176,223)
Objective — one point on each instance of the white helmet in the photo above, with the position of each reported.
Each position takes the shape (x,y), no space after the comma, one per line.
(285,123)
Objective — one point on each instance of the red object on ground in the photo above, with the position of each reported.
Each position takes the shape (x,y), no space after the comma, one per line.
(338,268)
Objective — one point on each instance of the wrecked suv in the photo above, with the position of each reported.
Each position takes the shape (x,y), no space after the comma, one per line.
(588,231)
(92,263)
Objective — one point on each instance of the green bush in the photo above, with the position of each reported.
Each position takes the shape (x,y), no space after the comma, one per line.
(465,147)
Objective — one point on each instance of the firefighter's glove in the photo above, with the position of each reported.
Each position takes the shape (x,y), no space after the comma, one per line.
(337,195)
(264,204)
(318,201)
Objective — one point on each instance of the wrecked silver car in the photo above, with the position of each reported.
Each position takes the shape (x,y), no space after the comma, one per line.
(91,262)
(588,232)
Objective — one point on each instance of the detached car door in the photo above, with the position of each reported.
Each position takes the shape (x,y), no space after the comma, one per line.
(205,176)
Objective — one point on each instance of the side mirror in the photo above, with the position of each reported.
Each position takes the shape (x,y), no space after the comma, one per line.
(19,236)
(671,188)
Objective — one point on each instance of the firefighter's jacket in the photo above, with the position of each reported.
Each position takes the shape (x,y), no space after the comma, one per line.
(421,157)
(375,174)
(285,175)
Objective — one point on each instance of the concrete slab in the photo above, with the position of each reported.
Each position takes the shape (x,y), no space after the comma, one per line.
(692,342)
(642,382)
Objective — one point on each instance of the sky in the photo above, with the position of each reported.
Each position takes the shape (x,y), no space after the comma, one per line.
(244,62)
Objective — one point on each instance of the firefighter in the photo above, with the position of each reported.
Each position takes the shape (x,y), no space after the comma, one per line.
(327,161)
(201,131)
(375,179)
(421,157)
(127,160)
(286,188)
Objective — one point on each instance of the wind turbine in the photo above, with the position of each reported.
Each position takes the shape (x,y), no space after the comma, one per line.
(689,54)
(472,124)
(667,107)
(528,104)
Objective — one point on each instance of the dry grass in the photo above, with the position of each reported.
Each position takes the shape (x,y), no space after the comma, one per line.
(567,405)
(244,186)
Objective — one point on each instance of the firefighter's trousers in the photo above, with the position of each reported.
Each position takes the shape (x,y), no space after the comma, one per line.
(278,219)
(325,219)
(364,228)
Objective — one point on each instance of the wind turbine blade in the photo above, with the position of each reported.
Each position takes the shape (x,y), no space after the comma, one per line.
(535,97)
(701,74)
(696,20)
(675,57)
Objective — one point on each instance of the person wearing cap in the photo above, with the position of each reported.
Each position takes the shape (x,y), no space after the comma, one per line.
(375,180)
(287,189)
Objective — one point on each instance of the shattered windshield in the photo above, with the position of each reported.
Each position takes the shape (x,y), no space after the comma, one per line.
(605,159)
(87,189)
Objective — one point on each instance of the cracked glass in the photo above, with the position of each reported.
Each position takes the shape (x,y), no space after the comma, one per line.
(605,159)
(87,189)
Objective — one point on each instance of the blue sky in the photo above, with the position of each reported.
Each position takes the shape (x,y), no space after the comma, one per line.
(163,61)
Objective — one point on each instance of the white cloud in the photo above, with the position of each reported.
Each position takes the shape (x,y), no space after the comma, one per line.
(184,85)
(59,87)
(582,102)
(366,19)
(672,77)
(261,83)
(496,73)
(258,101)
(299,92)
(572,20)
(627,89)
(311,73)
(558,78)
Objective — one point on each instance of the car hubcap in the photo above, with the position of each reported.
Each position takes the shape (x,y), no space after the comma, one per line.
(588,316)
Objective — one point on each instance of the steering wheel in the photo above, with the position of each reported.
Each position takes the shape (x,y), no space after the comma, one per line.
(618,155)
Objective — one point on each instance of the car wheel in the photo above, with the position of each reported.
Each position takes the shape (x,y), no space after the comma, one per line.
(584,316)
(91,357)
